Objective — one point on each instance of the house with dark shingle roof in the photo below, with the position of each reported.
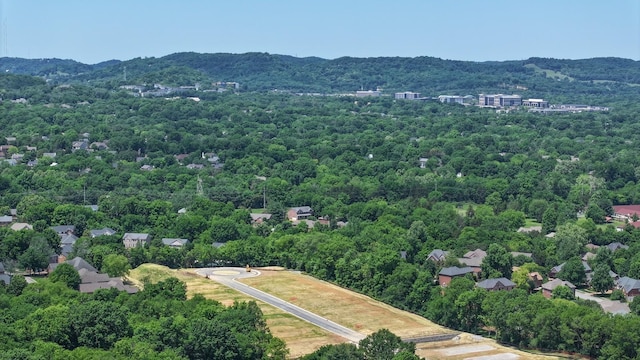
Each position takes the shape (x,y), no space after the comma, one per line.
(6,220)
(299,213)
(630,286)
(548,287)
(556,269)
(614,246)
(437,255)
(92,280)
(101,232)
(497,284)
(473,259)
(447,274)
(64,229)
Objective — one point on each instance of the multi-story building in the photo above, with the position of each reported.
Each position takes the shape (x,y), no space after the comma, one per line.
(407,95)
(535,103)
(499,100)
(451,99)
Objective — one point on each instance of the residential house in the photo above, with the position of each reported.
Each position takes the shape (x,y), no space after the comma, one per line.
(615,246)
(175,243)
(548,287)
(588,256)
(49,155)
(630,286)
(447,274)
(92,207)
(101,232)
(473,259)
(180,157)
(21,226)
(64,229)
(92,280)
(497,284)
(556,270)
(437,256)
(626,212)
(147,167)
(195,166)
(298,213)
(99,145)
(592,247)
(132,240)
(259,218)
(536,279)
(6,220)
(80,145)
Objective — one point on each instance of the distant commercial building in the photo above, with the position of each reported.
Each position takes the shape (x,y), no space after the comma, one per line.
(407,95)
(499,100)
(451,99)
(535,103)
(367,93)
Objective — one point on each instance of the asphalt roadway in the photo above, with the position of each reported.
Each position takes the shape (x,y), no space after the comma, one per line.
(227,276)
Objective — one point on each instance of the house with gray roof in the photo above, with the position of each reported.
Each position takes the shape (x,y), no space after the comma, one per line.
(299,213)
(496,284)
(175,243)
(101,232)
(131,240)
(630,286)
(447,274)
(64,229)
(614,246)
(92,280)
(79,263)
(556,269)
(548,287)
(6,220)
(437,255)
(68,239)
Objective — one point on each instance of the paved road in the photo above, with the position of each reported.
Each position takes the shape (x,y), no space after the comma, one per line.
(228,276)
(610,306)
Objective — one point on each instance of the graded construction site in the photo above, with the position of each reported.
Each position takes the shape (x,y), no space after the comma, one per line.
(344,307)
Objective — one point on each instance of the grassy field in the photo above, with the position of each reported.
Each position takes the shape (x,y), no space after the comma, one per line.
(549,73)
(345,307)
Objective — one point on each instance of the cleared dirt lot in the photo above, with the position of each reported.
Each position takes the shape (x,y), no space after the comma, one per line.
(342,306)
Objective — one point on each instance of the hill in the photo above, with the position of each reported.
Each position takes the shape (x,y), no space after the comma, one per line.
(429,75)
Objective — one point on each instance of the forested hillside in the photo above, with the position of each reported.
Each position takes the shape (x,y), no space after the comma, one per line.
(261,72)
(195,166)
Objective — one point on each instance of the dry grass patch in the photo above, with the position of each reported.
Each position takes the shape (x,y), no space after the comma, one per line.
(345,307)
(301,337)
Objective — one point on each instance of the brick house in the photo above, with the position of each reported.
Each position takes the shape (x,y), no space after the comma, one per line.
(447,274)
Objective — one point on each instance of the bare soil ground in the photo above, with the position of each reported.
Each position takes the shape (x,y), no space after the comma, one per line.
(301,337)
(342,306)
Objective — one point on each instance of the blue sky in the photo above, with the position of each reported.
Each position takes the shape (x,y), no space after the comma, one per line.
(91,31)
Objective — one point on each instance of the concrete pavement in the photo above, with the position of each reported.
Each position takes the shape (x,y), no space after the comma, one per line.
(610,306)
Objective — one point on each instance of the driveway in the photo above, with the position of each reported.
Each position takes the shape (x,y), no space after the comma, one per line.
(610,306)
(227,276)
